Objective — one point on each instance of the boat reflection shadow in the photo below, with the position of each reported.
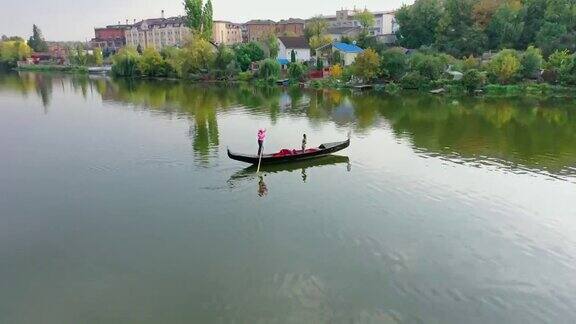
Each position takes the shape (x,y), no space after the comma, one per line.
(249,173)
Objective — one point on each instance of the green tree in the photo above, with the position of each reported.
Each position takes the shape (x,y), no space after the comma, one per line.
(505,66)
(272,45)
(173,57)
(98,57)
(558,31)
(225,63)
(366,20)
(366,65)
(13,51)
(296,72)
(151,63)
(506,27)
(199,17)
(394,63)
(418,23)
(125,62)
(430,66)
(317,26)
(531,62)
(533,16)
(269,70)
(247,53)
(224,57)
(568,71)
(558,60)
(198,56)
(80,56)
(193,10)
(456,33)
(292,56)
(36,41)
(549,35)
(207,20)
(473,80)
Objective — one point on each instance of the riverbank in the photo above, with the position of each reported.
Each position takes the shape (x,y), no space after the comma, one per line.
(52,68)
(454,88)
(448,88)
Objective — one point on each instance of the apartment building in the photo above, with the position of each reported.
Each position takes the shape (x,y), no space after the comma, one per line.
(256,30)
(385,25)
(292,27)
(158,33)
(110,37)
(227,33)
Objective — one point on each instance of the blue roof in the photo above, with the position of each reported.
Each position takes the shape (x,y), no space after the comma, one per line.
(283,61)
(348,48)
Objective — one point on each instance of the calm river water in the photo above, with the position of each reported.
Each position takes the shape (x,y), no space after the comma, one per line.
(118,204)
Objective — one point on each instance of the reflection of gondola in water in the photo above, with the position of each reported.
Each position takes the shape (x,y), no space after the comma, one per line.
(249,173)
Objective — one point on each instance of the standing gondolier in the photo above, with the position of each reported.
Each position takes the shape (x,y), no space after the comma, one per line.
(261,138)
(304,143)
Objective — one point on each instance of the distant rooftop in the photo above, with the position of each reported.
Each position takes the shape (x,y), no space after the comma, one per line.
(294,42)
(161,22)
(261,22)
(291,21)
(342,30)
(348,48)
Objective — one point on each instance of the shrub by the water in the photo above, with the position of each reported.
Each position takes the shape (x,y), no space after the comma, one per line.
(531,62)
(296,72)
(392,88)
(414,80)
(472,80)
(126,63)
(336,71)
(269,70)
(394,63)
(505,66)
(245,76)
(366,65)
(430,66)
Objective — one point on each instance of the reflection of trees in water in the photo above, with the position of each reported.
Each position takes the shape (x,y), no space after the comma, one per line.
(80,84)
(44,90)
(534,132)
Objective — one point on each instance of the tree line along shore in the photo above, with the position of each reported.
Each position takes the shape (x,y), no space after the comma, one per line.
(455,46)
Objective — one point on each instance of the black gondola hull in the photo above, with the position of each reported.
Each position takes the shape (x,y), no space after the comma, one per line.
(323,150)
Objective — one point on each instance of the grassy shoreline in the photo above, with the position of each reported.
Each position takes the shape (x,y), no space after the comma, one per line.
(450,88)
(53,68)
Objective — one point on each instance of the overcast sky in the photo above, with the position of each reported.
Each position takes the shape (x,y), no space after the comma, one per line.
(75,19)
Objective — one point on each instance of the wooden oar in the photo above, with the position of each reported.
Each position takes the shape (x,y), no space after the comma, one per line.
(260,159)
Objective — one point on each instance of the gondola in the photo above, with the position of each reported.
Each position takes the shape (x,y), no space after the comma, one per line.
(286,156)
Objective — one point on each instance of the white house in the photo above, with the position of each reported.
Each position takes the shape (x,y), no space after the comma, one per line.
(297,44)
(385,25)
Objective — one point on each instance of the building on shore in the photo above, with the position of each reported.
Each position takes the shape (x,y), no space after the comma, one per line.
(385,25)
(110,38)
(292,27)
(299,45)
(348,52)
(158,33)
(257,30)
(227,33)
(337,33)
